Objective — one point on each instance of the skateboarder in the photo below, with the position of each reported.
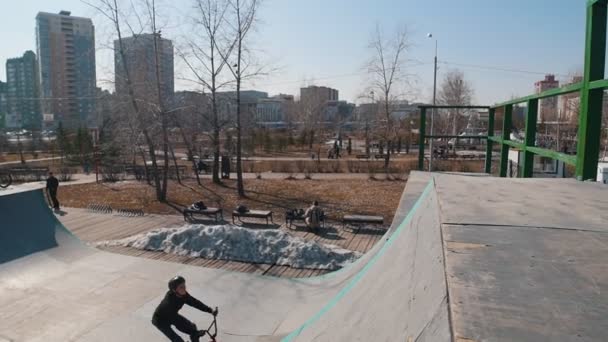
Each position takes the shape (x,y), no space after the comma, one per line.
(52,184)
(166,313)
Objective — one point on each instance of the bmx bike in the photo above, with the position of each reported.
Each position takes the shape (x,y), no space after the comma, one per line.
(5,179)
(211,331)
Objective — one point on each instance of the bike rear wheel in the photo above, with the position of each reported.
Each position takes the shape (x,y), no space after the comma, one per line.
(5,180)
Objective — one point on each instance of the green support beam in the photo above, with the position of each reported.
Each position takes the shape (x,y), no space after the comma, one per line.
(506,135)
(530,140)
(457,136)
(514,144)
(489,143)
(566,158)
(590,117)
(421,138)
(495,139)
(571,88)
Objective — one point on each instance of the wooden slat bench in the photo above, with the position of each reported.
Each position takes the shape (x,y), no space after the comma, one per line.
(362,219)
(216,213)
(260,214)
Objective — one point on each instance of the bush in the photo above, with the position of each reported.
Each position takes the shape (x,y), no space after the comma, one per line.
(65,174)
(335,166)
(113,174)
(301,166)
(248,167)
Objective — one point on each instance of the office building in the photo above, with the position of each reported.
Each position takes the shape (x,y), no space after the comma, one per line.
(23,104)
(141,63)
(547,110)
(66,63)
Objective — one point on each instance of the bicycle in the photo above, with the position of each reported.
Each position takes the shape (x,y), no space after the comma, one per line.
(5,179)
(213,326)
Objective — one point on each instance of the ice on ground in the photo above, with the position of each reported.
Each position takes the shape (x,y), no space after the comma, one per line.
(234,243)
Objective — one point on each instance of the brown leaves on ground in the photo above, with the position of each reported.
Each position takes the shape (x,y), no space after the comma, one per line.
(337,197)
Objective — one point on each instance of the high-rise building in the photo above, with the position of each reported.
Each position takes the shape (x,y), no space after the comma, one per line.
(318,95)
(140,59)
(569,104)
(274,111)
(548,106)
(22,92)
(66,62)
(3,104)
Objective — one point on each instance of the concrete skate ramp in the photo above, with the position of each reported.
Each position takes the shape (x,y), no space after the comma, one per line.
(76,293)
(24,228)
(400,295)
(466,259)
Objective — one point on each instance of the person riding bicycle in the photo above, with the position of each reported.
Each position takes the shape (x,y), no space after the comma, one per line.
(166,313)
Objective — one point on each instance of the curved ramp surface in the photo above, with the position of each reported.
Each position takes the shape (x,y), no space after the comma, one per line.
(75,293)
(24,227)
(475,259)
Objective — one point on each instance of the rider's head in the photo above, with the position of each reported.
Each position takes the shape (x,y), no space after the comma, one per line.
(178,285)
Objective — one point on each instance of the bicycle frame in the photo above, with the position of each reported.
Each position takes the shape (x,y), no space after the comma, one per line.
(213,326)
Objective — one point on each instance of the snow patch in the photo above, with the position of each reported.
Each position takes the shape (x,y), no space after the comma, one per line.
(234,243)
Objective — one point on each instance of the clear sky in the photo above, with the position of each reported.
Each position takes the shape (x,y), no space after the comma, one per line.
(325,41)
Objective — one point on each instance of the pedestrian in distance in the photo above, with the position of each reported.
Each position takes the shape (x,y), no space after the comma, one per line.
(52,184)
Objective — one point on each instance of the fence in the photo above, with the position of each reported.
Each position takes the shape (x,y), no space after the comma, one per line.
(591,91)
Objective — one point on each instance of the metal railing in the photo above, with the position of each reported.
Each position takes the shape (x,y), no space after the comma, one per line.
(591,91)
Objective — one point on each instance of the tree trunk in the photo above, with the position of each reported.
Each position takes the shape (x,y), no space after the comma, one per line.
(216,141)
(179,180)
(146,171)
(387,157)
(239,166)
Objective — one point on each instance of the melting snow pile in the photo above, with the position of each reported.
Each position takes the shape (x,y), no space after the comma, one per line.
(229,242)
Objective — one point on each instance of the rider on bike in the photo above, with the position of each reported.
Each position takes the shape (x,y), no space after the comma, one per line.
(166,313)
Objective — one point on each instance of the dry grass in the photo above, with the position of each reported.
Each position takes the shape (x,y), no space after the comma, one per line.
(10,157)
(338,197)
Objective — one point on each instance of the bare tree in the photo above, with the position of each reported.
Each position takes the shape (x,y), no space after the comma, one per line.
(455,90)
(241,20)
(206,58)
(147,112)
(311,114)
(387,72)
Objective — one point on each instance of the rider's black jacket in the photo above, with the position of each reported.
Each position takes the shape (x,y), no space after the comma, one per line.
(167,310)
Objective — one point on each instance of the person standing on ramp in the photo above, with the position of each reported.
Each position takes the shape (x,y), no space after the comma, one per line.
(166,313)
(52,184)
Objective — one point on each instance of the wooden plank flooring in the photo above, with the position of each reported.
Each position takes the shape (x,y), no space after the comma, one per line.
(94,227)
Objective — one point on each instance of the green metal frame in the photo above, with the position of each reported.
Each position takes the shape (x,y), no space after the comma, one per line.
(591,91)
(422,136)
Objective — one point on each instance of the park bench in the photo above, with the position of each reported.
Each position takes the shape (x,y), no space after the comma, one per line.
(380,156)
(358,220)
(215,213)
(362,156)
(259,214)
(290,218)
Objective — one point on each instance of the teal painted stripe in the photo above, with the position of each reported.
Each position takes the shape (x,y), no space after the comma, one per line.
(365,269)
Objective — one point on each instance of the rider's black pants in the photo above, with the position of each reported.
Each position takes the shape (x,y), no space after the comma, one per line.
(182,324)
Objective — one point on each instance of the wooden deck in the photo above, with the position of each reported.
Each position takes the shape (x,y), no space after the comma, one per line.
(93,227)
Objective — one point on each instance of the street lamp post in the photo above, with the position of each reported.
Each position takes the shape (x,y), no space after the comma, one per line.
(430,35)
